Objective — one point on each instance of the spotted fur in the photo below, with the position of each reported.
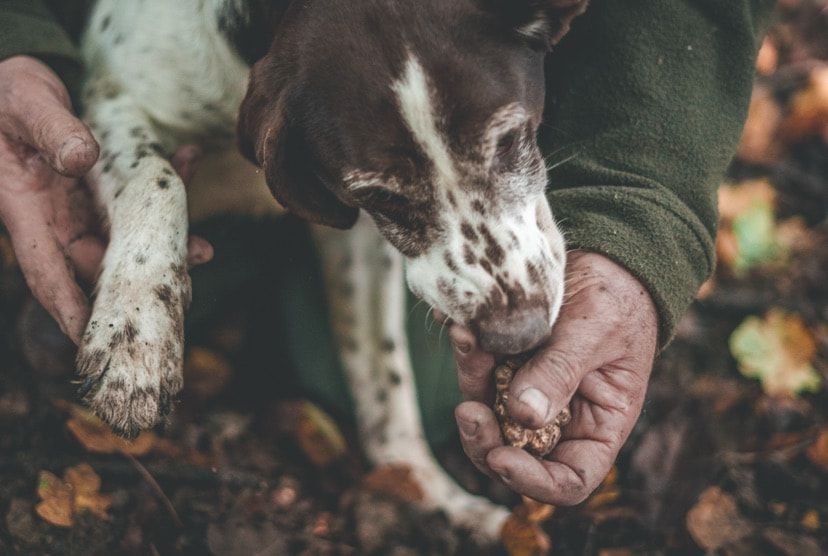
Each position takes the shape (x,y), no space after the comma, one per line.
(400,110)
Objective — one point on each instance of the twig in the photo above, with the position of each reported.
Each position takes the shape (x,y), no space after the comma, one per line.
(150,480)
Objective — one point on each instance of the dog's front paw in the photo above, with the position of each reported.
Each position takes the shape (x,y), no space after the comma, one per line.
(131,357)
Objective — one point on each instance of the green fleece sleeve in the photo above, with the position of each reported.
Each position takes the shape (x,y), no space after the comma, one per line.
(30,27)
(645,106)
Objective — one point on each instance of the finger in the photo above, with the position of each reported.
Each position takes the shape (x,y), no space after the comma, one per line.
(543,387)
(86,254)
(199,251)
(53,285)
(479,433)
(44,121)
(579,468)
(474,366)
(185,160)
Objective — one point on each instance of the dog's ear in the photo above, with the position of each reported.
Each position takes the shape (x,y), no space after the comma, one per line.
(267,139)
(542,22)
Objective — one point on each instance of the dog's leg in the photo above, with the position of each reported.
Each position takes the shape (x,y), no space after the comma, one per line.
(365,281)
(130,358)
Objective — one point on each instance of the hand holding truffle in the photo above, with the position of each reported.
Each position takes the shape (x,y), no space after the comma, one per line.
(597,363)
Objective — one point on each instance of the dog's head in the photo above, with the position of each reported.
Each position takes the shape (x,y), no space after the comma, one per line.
(423,114)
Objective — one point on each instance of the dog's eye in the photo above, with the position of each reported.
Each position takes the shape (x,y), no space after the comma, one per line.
(507,146)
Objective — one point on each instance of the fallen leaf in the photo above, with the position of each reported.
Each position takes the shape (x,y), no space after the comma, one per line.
(206,373)
(615,552)
(86,486)
(56,506)
(394,480)
(318,435)
(522,538)
(95,436)
(715,520)
(760,143)
(777,350)
(818,451)
(63,499)
(811,521)
(748,229)
(768,58)
(808,111)
(607,493)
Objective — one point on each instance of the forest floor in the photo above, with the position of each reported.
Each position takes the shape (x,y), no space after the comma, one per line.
(730,454)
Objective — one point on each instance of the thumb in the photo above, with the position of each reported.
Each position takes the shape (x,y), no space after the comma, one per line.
(39,114)
(54,132)
(544,386)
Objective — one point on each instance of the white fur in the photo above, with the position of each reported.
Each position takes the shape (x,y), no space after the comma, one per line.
(379,370)
(417,108)
(157,66)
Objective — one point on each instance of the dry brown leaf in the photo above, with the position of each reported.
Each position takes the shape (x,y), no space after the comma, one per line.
(768,59)
(715,520)
(808,111)
(318,435)
(56,505)
(522,534)
(206,373)
(394,480)
(759,143)
(818,451)
(95,436)
(615,552)
(78,491)
(811,521)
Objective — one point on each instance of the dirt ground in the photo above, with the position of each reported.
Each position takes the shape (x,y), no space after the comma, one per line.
(730,455)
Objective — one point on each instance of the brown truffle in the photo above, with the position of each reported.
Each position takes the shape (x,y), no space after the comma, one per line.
(537,442)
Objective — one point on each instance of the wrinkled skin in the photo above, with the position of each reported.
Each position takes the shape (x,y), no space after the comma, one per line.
(49,214)
(599,358)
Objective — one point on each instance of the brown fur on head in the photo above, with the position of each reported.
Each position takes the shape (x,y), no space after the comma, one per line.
(424,115)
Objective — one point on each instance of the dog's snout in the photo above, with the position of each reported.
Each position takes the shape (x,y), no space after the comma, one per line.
(513,332)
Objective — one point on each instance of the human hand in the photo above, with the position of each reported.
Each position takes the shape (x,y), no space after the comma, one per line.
(598,359)
(48,213)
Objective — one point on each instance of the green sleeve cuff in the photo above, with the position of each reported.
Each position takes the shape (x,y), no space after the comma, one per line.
(28,28)
(668,250)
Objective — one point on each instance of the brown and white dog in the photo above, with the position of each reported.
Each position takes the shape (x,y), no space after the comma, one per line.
(420,114)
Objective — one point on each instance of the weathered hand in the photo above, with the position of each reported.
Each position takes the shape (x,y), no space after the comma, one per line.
(599,358)
(48,213)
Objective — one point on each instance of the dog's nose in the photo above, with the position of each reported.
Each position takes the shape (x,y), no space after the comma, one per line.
(513,332)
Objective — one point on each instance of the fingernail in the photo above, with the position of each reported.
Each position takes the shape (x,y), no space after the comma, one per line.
(535,399)
(68,149)
(468,428)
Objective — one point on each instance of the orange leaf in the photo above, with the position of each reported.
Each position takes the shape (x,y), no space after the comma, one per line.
(808,111)
(62,499)
(57,505)
(318,435)
(715,520)
(206,373)
(95,436)
(818,451)
(524,538)
(811,521)
(86,485)
(394,480)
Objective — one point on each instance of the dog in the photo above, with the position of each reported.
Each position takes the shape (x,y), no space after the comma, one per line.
(403,131)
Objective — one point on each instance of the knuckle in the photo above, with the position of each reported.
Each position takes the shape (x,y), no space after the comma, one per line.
(561,368)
